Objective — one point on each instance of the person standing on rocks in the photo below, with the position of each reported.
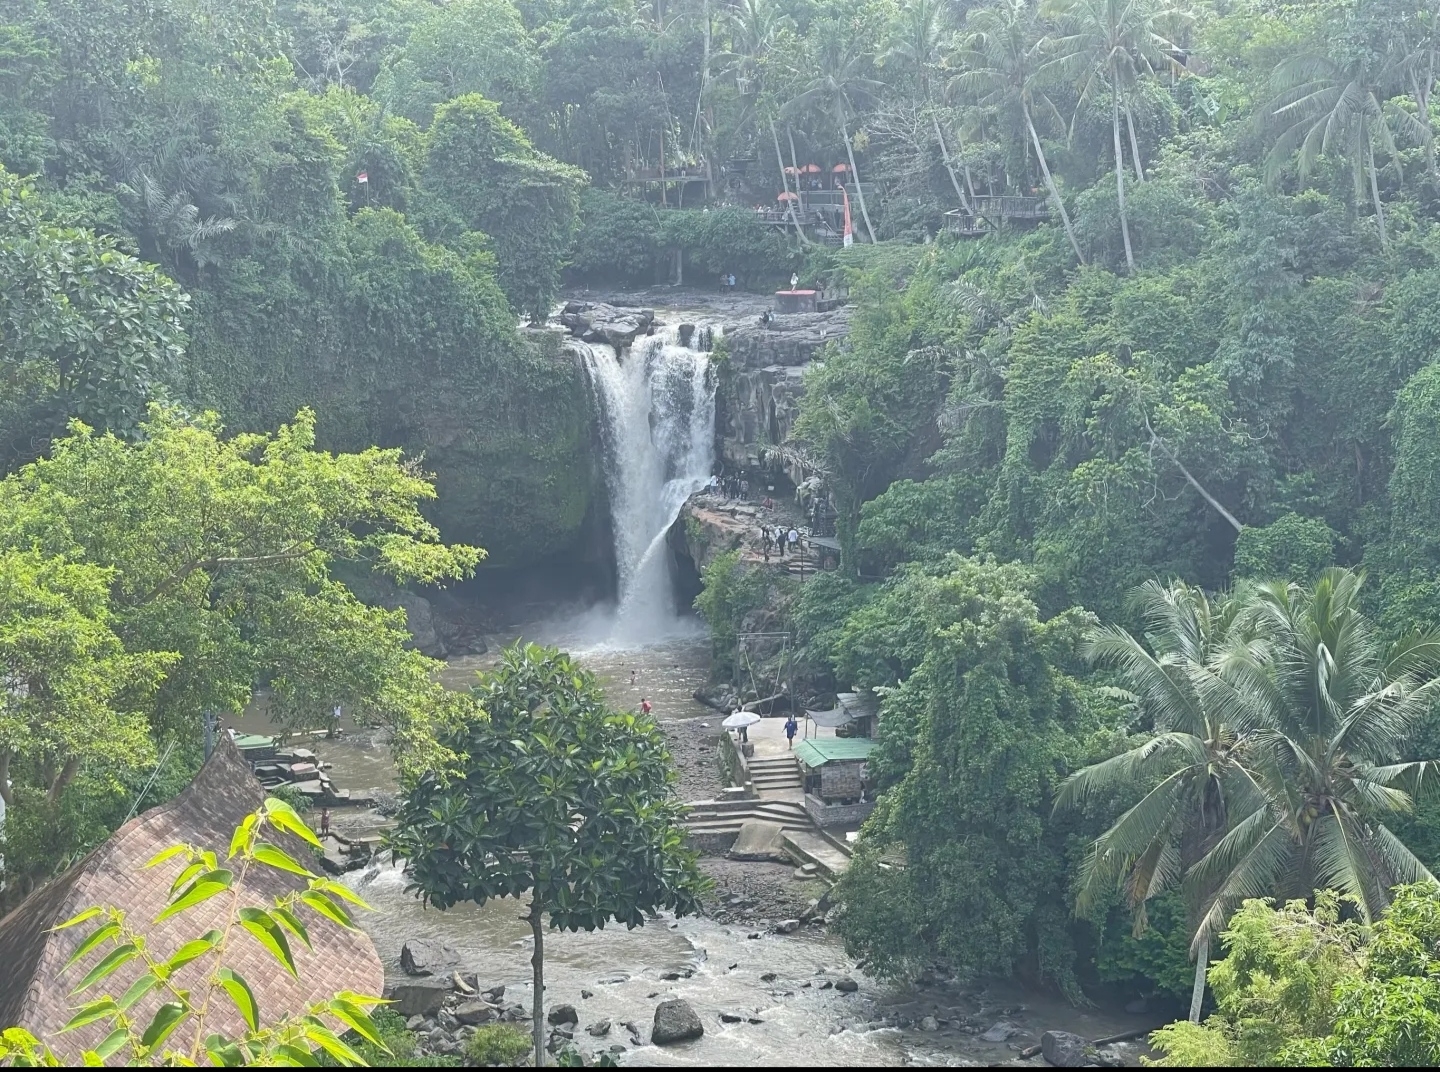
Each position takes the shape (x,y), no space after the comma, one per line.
(645,707)
(791,728)
(324,822)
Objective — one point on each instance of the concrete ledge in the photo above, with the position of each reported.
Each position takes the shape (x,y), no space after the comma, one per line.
(712,844)
(736,764)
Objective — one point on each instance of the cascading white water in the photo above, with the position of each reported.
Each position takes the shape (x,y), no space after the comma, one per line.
(657,402)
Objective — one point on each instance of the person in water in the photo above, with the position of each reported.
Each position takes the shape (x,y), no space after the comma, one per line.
(632,677)
(324,822)
(645,707)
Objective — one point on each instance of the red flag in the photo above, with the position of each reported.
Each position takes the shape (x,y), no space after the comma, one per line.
(849,232)
(364,176)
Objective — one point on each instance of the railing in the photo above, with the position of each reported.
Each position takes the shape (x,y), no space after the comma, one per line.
(1011,207)
(962,223)
(692,174)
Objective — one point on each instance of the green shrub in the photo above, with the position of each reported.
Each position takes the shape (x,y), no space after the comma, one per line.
(497,1044)
(618,239)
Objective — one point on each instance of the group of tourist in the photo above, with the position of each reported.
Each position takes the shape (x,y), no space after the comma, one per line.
(781,537)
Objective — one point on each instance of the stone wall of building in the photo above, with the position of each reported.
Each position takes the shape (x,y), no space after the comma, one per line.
(841,781)
(837,814)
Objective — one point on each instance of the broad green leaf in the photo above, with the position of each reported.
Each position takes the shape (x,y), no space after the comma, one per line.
(271,856)
(322,904)
(242,834)
(201,890)
(223,1052)
(296,1055)
(115,959)
(189,871)
(327,1041)
(167,854)
(268,933)
(235,985)
(90,1012)
(291,923)
(167,1018)
(283,817)
(192,949)
(112,1043)
(340,890)
(345,1007)
(89,913)
(95,938)
(138,989)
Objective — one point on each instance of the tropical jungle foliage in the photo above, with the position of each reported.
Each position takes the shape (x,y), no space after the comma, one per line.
(1137,503)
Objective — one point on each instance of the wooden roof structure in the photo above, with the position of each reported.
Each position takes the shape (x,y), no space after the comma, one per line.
(35,992)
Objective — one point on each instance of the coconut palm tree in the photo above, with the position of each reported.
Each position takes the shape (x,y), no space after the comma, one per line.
(1322,104)
(1111,45)
(1000,59)
(841,84)
(1332,709)
(1194,763)
(915,41)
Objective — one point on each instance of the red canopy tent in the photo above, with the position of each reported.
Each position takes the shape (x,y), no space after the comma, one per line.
(788,196)
(811,169)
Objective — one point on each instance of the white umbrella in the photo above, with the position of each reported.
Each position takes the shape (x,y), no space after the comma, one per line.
(740,719)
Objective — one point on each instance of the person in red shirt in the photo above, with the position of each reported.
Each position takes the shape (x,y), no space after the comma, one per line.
(644,706)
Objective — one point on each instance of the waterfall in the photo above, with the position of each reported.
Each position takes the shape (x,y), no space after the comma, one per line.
(657,406)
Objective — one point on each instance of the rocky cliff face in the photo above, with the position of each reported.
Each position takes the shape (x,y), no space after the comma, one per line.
(760,391)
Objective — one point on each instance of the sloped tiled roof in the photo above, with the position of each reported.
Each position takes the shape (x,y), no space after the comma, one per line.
(35,992)
(821,750)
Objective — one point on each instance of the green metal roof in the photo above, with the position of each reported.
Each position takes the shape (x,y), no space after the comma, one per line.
(253,740)
(821,750)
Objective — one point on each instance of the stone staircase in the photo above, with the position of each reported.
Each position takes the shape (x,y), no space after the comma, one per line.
(773,773)
(716,817)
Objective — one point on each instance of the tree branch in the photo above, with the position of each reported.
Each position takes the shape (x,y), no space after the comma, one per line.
(1156,441)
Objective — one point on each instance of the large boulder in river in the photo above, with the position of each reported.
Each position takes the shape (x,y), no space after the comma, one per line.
(675,1021)
(476,1012)
(1062,1049)
(422,956)
(563,1014)
(420,997)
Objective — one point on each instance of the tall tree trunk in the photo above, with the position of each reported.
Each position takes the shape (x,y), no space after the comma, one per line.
(789,205)
(1120,176)
(1134,146)
(854,173)
(1374,185)
(62,780)
(950,168)
(1197,993)
(5,755)
(1050,183)
(537,966)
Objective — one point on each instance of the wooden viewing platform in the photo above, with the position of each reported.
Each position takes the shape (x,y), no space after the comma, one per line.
(991,210)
